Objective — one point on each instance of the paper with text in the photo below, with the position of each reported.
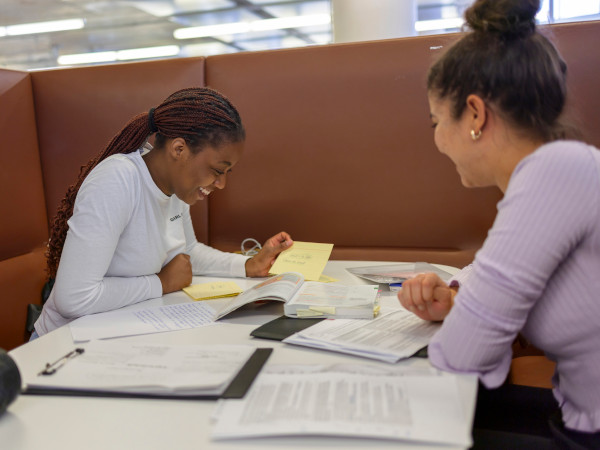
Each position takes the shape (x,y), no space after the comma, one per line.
(149,368)
(280,288)
(129,322)
(390,337)
(316,299)
(307,258)
(424,407)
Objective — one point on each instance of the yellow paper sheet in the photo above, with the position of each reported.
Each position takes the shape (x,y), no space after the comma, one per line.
(217,289)
(327,279)
(308,313)
(307,258)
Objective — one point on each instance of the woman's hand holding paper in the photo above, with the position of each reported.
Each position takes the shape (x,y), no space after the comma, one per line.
(260,264)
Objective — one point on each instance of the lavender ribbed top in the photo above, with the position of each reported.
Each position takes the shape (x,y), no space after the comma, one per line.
(537,273)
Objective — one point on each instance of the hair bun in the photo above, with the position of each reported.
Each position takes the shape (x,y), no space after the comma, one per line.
(509,18)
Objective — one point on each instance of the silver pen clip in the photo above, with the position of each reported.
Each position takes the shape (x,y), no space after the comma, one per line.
(53,367)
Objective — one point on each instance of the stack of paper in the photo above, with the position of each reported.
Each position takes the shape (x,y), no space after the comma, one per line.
(323,300)
(390,337)
(409,405)
(144,368)
(396,274)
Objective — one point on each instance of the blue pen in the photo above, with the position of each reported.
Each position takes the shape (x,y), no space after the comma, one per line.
(394,287)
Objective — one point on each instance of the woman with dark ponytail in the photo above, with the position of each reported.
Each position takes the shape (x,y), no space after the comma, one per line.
(496,99)
(123,232)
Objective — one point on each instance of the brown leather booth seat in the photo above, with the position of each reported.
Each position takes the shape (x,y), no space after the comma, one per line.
(79,110)
(23,222)
(339,149)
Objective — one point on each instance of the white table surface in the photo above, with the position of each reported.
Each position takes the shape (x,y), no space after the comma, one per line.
(85,423)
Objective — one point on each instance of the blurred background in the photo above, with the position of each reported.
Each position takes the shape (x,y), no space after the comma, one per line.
(38,34)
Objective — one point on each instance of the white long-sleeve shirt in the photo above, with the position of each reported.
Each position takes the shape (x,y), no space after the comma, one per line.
(123,230)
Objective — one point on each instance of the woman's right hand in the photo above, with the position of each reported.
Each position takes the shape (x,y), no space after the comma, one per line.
(176,274)
(427,296)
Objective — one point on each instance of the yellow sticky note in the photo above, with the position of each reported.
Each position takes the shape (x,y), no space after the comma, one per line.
(217,289)
(376,310)
(308,258)
(308,313)
(327,279)
(323,309)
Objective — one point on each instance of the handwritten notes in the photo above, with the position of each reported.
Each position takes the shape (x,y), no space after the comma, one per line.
(217,289)
(129,322)
(307,258)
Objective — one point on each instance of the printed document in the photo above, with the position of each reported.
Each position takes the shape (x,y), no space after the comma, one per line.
(158,369)
(129,322)
(390,337)
(409,405)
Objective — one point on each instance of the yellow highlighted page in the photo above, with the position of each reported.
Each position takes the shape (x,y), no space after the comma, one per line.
(216,289)
(307,258)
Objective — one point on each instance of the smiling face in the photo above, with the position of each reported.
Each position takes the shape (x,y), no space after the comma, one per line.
(452,138)
(196,175)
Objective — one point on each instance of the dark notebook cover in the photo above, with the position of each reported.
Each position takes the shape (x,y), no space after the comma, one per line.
(282,327)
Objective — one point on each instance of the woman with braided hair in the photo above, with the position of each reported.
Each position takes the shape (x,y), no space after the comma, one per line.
(123,232)
(496,99)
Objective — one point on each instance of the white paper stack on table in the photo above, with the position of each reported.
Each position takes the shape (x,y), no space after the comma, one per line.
(143,368)
(395,274)
(409,404)
(390,337)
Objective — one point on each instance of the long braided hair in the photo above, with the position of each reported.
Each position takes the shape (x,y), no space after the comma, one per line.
(202,116)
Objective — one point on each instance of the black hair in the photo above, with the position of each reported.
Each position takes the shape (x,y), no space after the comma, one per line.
(202,116)
(509,64)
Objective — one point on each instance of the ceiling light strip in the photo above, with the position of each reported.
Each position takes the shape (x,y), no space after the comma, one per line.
(119,55)
(256,25)
(439,24)
(43,27)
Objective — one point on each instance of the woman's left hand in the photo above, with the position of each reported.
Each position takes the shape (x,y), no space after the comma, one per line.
(427,296)
(260,264)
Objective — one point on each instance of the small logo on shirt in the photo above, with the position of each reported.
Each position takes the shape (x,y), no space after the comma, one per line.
(178,216)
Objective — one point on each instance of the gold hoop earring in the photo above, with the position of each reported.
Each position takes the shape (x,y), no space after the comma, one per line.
(474,135)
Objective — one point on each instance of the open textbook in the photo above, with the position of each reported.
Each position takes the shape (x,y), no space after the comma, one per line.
(111,368)
(300,298)
(411,404)
(307,298)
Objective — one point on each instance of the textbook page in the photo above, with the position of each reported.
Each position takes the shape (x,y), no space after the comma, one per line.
(424,406)
(281,288)
(390,337)
(161,369)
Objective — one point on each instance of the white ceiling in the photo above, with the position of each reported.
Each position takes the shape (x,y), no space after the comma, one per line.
(114,25)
